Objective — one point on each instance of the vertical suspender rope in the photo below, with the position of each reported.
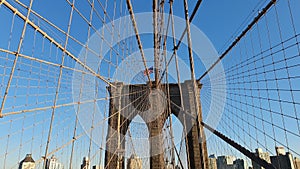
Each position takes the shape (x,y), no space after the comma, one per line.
(129,6)
(17,56)
(58,85)
(264,10)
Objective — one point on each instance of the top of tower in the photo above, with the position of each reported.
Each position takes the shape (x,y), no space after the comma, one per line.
(28,158)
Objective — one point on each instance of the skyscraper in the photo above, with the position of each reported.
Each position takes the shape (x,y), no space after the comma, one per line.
(240,164)
(263,155)
(283,159)
(27,162)
(212,162)
(297,163)
(85,163)
(53,163)
(97,167)
(225,162)
(280,150)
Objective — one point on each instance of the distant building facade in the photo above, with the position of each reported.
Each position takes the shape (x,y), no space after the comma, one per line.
(85,163)
(97,167)
(212,162)
(134,163)
(225,162)
(297,163)
(52,163)
(283,159)
(280,150)
(240,164)
(263,155)
(27,162)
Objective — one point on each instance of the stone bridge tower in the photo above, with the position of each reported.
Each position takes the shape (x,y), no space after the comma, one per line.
(127,101)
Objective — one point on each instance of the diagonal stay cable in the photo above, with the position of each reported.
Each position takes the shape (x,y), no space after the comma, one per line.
(245,31)
(243,150)
(37,28)
(26,19)
(129,6)
(155,40)
(190,20)
(182,35)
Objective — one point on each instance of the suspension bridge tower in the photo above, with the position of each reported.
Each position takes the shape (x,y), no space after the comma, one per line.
(151,106)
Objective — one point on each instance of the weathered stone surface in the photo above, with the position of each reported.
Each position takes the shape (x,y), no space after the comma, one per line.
(126,102)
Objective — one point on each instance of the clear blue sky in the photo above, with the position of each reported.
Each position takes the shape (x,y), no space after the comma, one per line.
(220,21)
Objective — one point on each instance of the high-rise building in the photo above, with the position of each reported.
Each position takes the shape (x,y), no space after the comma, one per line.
(52,163)
(85,163)
(212,162)
(283,159)
(134,162)
(297,163)
(225,162)
(280,150)
(263,155)
(27,162)
(97,167)
(240,164)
